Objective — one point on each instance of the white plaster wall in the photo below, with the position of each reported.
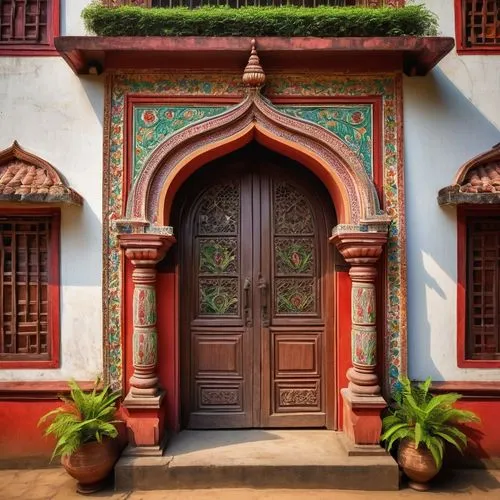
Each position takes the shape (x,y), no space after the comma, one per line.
(58,116)
(449,116)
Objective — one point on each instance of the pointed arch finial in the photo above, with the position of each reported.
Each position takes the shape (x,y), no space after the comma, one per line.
(253,75)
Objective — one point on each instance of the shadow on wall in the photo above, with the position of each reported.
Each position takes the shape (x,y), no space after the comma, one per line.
(443,129)
(94,89)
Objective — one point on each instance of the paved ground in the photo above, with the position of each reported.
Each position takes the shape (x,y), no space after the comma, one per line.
(55,484)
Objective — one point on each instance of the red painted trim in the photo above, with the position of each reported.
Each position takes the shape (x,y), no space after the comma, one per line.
(462,213)
(462,48)
(476,51)
(54,325)
(343,330)
(46,49)
(38,390)
(468,389)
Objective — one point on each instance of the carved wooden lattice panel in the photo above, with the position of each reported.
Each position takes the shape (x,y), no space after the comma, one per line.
(24,21)
(294,251)
(218,227)
(483,280)
(481,22)
(24,284)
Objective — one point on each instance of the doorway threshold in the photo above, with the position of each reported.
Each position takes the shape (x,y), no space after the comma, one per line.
(257,458)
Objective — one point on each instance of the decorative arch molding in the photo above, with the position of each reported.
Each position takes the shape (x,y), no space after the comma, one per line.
(352,191)
(476,182)
(25,177)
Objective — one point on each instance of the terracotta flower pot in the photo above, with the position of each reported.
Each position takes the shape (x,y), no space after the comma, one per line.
(91,464)
(417,463)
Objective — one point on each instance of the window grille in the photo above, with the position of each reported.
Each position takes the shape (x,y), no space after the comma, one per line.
(483,280)
(24,285)
(481,22)
(24,21)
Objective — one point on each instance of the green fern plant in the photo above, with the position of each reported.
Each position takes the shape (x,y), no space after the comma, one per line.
(427,420)
(84,417)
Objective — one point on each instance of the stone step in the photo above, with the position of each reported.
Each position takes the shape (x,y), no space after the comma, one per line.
(257,459)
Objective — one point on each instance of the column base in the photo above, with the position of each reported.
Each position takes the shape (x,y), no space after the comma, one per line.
(362,422)
(145,425)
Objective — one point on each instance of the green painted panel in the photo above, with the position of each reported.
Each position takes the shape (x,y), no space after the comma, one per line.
(351,123)
(153,124)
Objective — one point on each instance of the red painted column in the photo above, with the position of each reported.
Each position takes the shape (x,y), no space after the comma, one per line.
(144,402)
(362,400)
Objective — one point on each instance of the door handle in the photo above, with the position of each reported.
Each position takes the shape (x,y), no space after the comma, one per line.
(263,301)
(247,310)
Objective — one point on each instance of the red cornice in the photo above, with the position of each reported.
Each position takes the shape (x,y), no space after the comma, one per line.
(415,56)
(26,391)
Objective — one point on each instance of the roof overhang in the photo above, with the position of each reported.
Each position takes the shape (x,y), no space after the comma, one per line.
(27,178)
(477,181)
(415,56)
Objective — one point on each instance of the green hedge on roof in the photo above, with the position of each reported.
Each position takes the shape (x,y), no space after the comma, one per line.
(413,20)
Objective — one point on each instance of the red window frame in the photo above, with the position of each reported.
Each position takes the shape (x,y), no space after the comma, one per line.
(462,48)
(463,214)
(53,295)
(38,49)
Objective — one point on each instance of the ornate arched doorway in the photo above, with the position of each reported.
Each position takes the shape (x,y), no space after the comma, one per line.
(256,310)
(360,235)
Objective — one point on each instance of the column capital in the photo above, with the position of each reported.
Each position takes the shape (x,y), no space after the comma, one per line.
(145,250)
(360,248)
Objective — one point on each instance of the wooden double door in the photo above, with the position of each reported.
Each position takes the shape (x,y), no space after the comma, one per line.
(256,295)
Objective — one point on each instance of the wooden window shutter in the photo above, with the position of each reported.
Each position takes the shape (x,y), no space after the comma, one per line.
(481,23)
(29,283)
(24,21)
(483,283)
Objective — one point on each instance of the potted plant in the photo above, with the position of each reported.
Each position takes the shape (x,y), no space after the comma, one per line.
(85,428)
(423,424)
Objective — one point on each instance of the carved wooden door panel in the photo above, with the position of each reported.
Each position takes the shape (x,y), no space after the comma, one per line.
(294,271)
(255,249)
(221,343)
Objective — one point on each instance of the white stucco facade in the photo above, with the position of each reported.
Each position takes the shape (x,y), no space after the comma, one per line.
(450,116)
(58,116)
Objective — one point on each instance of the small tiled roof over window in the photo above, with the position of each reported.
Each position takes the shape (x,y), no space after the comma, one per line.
(26,178)
(484,179)
(476,182)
